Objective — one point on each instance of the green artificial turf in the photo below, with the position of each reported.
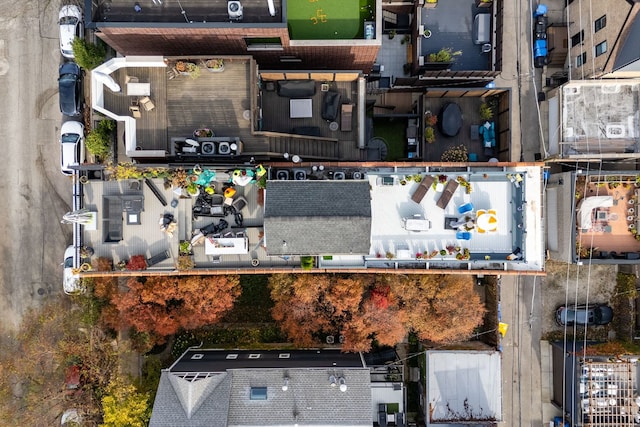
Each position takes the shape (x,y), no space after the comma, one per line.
(393,132)
(324,19)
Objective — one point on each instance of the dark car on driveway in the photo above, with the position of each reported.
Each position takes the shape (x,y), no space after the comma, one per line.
(584,314)
(70,88)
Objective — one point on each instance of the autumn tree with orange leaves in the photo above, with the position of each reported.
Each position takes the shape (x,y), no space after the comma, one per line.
(163,305)
(363,308)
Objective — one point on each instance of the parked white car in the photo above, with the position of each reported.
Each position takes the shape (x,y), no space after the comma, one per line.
(71,26)
(71,282)
(71,146)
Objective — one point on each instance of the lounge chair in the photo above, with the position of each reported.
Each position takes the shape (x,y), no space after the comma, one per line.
(467,207)
(346,117)
(463,235)
(422,189)
(447,193)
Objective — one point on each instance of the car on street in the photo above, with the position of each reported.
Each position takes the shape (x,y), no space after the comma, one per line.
(71,146)
(70,279)
(540,50)
(584,314)
(71,26)
(70,88)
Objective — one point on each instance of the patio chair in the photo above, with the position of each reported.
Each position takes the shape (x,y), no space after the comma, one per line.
(147,103)
(463,235)
(131,79)
(135,111)
(492,212)
(467,207)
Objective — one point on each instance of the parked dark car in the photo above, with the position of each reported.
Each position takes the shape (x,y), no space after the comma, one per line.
(70,88)
(540,50)
(584,314)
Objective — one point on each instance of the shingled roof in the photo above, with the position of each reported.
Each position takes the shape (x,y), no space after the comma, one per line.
(317,217)
(312,396)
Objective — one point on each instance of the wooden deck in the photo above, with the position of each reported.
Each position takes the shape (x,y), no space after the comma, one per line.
(213,100)
(254,11)
(333,144)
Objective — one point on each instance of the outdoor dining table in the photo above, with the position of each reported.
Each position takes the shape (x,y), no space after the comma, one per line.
(226,246)
(487,221)
(138,89)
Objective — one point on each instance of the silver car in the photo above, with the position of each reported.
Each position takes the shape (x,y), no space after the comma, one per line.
(71,26)
(71,146)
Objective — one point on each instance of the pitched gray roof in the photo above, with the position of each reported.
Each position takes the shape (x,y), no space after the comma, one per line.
(308,400)
(317,217)
(223,399)
(191,402)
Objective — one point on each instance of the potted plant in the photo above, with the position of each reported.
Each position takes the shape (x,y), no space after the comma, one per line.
(486,112)
(430,119)
(203,133)
(392,34)
(429,4)
(429,135)
(185,248)
(188,69)
(214,65)
(485,3)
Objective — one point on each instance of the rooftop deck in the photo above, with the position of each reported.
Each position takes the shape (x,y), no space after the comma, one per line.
(215,100)
(254,12)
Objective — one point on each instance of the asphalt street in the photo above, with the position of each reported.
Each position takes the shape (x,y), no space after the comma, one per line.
(34,194)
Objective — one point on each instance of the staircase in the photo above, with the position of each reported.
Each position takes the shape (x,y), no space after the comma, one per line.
(307,148)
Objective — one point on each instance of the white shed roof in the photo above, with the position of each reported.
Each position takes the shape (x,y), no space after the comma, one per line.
(464,386)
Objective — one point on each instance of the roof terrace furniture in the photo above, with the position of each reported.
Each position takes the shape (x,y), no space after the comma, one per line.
(447,194)
(138,89)
(330,104)
(296,88)
(417,223)
(300,108)
(147,103)
(135,111)
(346,117)
(157,258)
(422,189)
(111,219)
(239,203)
(226,246)
(450,119)
(209,205)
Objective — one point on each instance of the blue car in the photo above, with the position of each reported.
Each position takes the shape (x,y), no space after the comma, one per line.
(70,88)
(541,22)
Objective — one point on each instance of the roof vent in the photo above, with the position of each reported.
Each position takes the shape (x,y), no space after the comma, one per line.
(234,8)
(332,380)
(338,176)
(232,356)
(254,356)
(357,175)
(224,148)
(343,384)
(197,356)
(282,175)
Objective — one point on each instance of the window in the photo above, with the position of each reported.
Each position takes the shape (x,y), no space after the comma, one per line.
(600,23)
(581,59)
(601,48)
(577,38)
(258,393)
(263,43)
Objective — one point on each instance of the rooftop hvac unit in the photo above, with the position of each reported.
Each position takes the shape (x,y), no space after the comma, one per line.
(224,148)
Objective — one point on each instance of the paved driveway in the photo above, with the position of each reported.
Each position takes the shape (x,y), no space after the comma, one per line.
(34,193)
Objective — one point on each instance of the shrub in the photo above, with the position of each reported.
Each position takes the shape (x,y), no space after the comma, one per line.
(429,135)
(486,112)
(88,55)
(137,262)
(98,141)
(455,154)
(306,262)
(446,54)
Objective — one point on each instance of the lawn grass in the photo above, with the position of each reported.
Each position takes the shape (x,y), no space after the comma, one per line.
(393,132)
(324,19)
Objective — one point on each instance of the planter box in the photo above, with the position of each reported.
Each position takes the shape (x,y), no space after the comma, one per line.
(484,4)
(429,5)
(435,66)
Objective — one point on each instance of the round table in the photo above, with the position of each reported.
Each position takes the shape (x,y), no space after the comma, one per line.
(487,222)
(450,119)
(333,126)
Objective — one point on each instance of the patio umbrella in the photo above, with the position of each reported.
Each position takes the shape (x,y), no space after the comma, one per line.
(487,222)
(81,216)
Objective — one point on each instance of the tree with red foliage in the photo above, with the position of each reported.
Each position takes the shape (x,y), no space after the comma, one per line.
(137,262)
(163,305)
(439,308)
